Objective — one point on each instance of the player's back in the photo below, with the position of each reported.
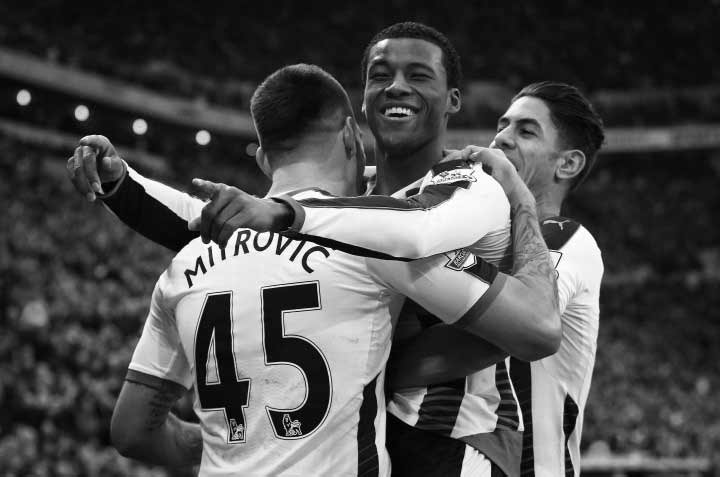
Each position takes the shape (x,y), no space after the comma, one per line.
(287,341)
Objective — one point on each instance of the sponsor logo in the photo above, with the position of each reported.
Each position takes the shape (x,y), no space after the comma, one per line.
(559,223)
(460,260)
(292,427)
(455,175)
(237,431)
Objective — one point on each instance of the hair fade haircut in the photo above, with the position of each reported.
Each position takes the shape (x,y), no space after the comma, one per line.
(579,125)
(451,59)
(294,101)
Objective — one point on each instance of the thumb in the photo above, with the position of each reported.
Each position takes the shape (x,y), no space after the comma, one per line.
(111,164)
(205,189)
(110,168)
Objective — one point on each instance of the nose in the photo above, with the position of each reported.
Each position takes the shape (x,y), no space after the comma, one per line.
(503,139)
(399,86)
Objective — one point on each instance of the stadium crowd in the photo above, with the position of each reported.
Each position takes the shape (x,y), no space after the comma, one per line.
(75,283)
(614,46)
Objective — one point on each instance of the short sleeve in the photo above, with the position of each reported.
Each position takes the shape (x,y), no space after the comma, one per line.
(159,352)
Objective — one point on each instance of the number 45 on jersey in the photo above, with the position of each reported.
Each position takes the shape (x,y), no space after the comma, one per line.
(229,393)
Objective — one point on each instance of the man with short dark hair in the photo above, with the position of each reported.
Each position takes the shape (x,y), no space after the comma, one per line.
(208,328)
(552,134)
(411,89)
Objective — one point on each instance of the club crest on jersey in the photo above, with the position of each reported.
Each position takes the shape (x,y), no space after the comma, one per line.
(460,260)
(237,431)
(452,176)
(292,427)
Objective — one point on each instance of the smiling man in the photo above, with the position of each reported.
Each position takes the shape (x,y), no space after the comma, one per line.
(552,134)
(411,75)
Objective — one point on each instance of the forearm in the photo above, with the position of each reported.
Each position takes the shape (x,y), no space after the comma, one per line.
(445,216)
(531,260)
(177,443)
(154,210)
(143,428)
(440,353)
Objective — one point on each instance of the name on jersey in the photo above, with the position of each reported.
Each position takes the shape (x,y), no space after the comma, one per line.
(249,242)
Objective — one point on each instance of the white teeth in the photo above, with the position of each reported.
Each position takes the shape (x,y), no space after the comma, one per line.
(397,111)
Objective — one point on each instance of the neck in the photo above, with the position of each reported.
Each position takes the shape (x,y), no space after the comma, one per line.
(305,174)
(395,171)
(548,202)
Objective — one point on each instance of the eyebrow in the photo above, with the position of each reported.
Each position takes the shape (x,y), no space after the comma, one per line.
(521,122)
(384,62)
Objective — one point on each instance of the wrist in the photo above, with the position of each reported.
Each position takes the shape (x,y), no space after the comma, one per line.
(519,194)
(283,215)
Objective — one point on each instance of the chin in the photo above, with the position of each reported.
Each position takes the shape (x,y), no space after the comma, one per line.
(398,144)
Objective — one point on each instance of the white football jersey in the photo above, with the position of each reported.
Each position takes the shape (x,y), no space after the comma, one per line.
(460,206)
(285,342)
(554,390)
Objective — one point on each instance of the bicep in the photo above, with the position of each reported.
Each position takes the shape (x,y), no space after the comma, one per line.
(447,286)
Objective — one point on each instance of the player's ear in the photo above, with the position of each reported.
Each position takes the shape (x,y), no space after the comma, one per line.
(454,101)
(571,163)
(349,137)
(262,162)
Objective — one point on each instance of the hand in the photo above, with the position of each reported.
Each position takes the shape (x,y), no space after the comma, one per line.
(495,163)
(86,173)
(230,209)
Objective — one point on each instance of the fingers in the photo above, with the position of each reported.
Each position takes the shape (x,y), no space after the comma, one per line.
(222,226)
(205,190)
(89,159)
(76,173)
(227,231)
(214,214)
(102,145)
(464,154)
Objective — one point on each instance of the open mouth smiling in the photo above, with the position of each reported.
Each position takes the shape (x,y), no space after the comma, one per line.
(398,113)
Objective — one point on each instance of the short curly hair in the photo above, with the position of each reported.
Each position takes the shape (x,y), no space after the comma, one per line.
(451,59)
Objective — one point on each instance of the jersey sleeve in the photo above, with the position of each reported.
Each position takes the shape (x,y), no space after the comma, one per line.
(156,211)
(453,287)
(159,352)
(458,205)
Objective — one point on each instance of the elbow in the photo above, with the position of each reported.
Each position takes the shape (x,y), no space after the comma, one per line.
(124,439)
(544,340)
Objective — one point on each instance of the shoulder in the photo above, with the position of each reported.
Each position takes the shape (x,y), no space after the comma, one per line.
(572,246)
(195,254)
(458,171)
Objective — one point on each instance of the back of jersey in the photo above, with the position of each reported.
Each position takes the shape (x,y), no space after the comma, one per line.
(286,343)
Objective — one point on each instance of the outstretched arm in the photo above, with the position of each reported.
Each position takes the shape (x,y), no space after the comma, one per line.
(458,206)
(152,209)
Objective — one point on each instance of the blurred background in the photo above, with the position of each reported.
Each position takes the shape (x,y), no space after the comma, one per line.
(171,85)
